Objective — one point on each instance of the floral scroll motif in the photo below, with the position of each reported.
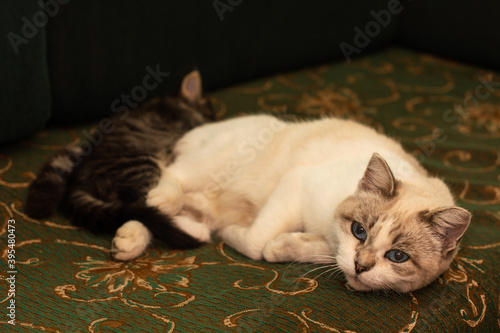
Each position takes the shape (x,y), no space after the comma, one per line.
(463,156)
(482,121)
(160,278)
(8,166)
(162,273)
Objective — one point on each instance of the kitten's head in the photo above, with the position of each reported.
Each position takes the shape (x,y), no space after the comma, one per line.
(188,104)
(191,93)
(395,235)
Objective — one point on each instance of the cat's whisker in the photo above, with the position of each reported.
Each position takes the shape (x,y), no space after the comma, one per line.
(318,258)
(307,261)
(335,273)
(313,270)
(334,269)
(296,265)
(329,268)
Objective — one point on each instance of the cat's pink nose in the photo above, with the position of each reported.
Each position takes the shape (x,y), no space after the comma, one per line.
(361,268)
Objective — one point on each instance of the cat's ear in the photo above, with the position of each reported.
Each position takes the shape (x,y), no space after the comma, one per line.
(449,224)
(378,177)
(191,87)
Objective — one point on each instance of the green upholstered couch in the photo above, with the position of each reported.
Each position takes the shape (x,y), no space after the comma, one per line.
(425,72)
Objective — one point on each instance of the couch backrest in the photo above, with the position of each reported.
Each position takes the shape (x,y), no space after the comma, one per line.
(25,92)
(99,51)
(78,60)
(466,31)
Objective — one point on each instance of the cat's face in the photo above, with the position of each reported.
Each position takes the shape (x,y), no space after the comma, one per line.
(389,238)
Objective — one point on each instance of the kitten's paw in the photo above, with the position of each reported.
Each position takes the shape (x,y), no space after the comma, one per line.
(167,197)
(130,241)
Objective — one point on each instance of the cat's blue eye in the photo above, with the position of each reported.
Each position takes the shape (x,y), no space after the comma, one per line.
(358,231)
(397,256)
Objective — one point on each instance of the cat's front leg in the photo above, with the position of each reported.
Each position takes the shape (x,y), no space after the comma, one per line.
(298,246)
(280,214)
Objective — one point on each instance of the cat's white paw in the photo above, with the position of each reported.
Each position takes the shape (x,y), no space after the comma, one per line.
(298,246)
(130,241)
(196,229)
(278,249)
(167,197)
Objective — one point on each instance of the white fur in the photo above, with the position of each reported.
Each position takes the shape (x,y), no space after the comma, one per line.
(167,195)
(130,240)
(294,173)
(196,229)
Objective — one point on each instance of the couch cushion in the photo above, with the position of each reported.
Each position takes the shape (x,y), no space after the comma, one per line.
(440,110)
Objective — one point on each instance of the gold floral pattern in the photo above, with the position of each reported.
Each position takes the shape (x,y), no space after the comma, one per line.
(166,275)
(301,284)
(67,282)
(141,273)
(6,168)
(481,121)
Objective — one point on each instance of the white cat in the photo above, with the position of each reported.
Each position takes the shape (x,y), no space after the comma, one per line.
(325,191)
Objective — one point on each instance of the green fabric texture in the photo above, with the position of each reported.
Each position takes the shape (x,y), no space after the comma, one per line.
(446,113)
(24,83)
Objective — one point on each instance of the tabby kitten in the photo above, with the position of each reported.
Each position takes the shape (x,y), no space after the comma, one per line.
(108,187)
(325,191)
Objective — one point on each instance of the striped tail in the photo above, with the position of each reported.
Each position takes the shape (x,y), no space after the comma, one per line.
(46,192)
